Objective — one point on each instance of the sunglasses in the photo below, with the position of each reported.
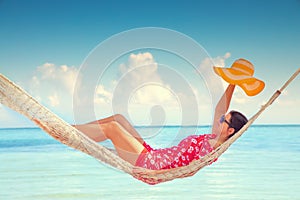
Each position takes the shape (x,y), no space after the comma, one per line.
(223,119)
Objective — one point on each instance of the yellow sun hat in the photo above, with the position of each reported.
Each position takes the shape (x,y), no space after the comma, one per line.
(241,73)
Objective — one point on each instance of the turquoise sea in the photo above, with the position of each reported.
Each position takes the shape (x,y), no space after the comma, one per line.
(263,164)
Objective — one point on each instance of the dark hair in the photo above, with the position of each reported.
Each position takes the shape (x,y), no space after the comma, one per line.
(237,121)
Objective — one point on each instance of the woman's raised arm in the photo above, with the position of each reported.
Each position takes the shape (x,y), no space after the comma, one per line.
(222,107)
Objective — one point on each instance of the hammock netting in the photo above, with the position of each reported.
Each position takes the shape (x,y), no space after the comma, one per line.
(17,99)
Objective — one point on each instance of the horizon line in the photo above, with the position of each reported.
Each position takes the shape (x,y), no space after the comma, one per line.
(160,126)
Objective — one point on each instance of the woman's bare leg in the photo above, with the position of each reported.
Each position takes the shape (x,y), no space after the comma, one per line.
(127,146)
(120,119)
(93,131)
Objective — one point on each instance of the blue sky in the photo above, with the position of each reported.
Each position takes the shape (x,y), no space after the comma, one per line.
(37,34)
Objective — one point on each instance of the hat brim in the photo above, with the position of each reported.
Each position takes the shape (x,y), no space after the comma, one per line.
(251,86)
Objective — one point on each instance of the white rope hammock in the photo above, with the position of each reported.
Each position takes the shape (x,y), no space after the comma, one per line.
(17,99)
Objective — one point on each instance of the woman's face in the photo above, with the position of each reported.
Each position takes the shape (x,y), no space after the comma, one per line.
(226,129)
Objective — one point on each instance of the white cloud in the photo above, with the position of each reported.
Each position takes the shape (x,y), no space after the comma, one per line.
(206,65)
(102,95)
(140,86)
(140,70)
(142,79)
(154,94)
(54,100)
(219,61)
(53,86)
(62,76)
(138,89)
(215,84)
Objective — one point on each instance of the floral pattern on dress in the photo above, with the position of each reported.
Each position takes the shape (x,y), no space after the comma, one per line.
(191,148)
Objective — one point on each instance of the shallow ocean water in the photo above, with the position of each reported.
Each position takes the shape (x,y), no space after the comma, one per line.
(262,164)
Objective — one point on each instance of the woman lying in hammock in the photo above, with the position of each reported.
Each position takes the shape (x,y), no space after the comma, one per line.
(132,148)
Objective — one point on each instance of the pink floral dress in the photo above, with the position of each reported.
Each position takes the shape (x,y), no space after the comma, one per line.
(191,148)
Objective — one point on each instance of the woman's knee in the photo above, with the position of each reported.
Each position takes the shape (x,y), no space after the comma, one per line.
(119,118)
(111,129)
